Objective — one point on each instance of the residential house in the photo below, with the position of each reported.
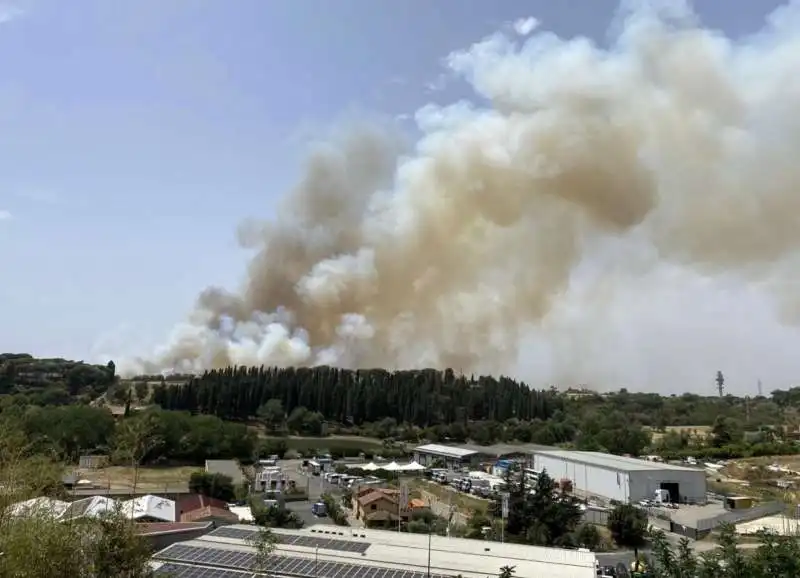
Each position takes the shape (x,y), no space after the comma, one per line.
(197,508)
(379,506)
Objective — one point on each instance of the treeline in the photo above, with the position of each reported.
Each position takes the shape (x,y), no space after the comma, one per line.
(70,431)
(422,398)
(53,381)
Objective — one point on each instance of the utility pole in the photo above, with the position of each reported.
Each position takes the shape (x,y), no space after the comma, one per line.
(504,515)
(430,533)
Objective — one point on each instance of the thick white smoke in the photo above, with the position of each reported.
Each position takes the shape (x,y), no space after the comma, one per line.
(528,236)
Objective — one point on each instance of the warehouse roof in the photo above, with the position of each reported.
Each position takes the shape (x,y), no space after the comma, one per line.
(446,451)
(612,462)
(360,553)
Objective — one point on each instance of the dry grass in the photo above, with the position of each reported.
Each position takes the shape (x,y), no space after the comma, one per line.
(149,478)
(463,502)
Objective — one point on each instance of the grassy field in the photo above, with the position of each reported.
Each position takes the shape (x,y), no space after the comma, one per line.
(346,444)
(150,479)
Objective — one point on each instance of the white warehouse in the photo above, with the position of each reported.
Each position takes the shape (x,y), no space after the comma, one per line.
(620,478)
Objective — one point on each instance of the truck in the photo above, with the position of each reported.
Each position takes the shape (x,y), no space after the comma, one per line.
(319,509)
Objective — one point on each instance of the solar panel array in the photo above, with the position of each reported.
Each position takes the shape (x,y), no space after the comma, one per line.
(282,565)
(212,556)
(303,541)
(180,571)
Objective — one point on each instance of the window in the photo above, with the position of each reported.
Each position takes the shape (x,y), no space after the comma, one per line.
(373,507)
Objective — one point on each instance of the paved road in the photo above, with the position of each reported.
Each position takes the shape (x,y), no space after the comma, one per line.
(315,485)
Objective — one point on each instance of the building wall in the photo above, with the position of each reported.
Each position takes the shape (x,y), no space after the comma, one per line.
(611,484)
(622,485)
(427,459)
(692,484)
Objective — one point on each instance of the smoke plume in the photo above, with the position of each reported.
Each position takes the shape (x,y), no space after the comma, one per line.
(512,231)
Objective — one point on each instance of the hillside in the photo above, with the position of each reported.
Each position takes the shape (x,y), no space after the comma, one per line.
(53,380)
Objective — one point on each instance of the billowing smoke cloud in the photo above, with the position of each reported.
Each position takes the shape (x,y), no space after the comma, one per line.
(508,237)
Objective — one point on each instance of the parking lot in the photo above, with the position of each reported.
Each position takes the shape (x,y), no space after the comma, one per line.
(314,485)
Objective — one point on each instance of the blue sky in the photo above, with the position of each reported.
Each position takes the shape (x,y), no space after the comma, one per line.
(136,134)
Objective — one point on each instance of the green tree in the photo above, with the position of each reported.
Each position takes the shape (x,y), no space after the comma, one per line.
(272,414)
(264,541)
(628,526)
(214,485)
(725,432)
(507,571)
(33,545)
(588,536)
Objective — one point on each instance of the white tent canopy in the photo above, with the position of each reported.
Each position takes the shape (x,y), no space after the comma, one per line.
(392,467)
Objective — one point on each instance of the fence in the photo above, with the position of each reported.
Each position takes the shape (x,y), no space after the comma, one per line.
(595,516)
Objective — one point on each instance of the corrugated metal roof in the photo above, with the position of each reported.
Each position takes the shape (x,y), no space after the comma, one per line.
(150,506)
(612,462)
(446,451)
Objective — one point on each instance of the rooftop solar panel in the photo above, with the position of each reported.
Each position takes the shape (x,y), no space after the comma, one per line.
(213,556)
(226,560)
(292,540)
(181,571)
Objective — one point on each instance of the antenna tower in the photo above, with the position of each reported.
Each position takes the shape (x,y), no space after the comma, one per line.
(720,379)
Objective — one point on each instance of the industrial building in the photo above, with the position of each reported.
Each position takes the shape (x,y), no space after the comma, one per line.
(448,456)
(620,478)
(335,552)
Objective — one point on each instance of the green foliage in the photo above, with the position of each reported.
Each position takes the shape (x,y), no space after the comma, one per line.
(213,485)
(628,525)
(507,571)
(275,516)
(540,514)
(68,431)
(44,381)
(588,536)
(264,541)
(418,397)
(774,557)
(335,510)
(272,414)
(36,546)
